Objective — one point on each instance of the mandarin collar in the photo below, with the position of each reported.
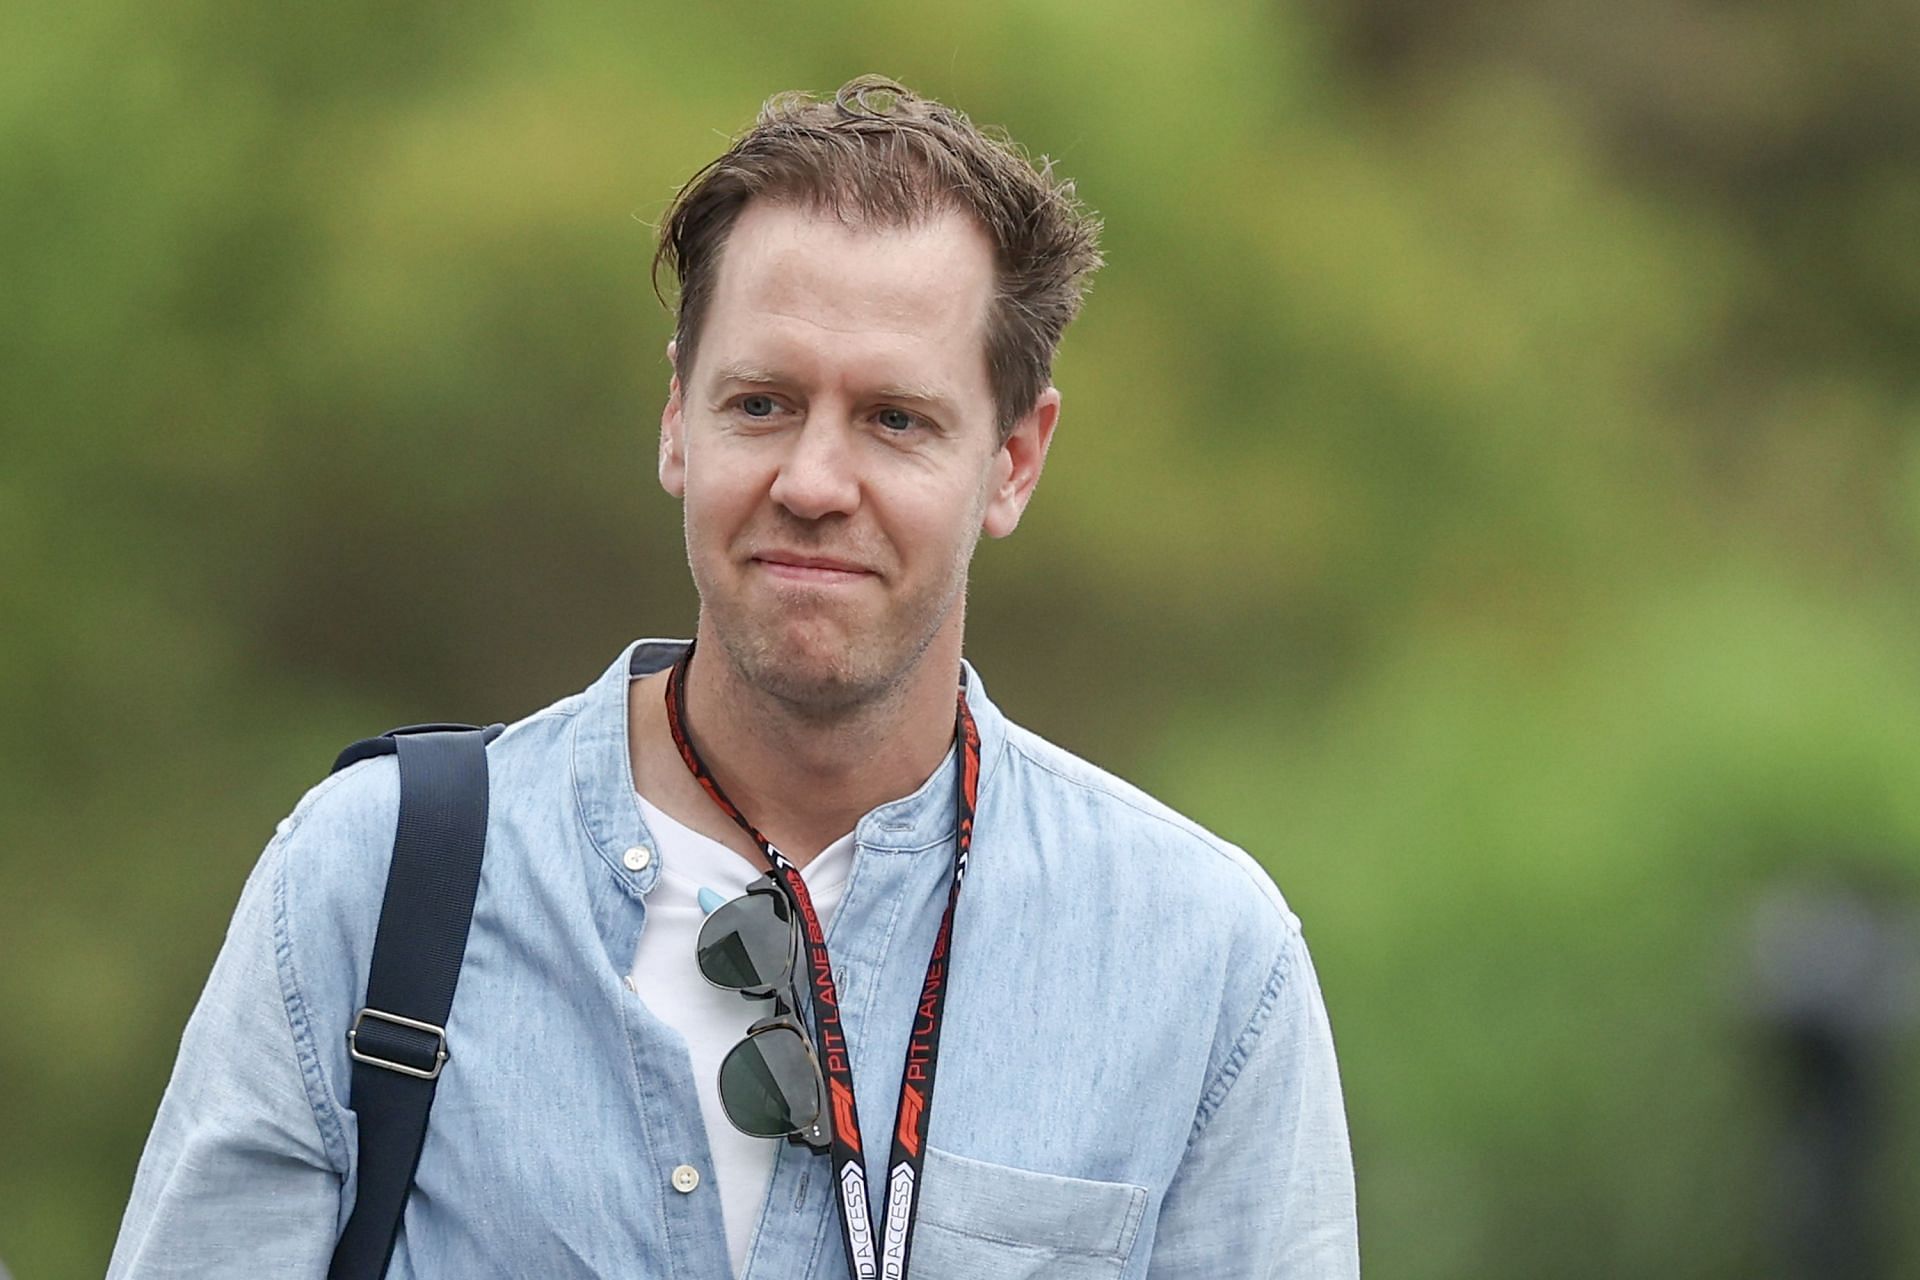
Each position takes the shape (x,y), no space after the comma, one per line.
(603,766)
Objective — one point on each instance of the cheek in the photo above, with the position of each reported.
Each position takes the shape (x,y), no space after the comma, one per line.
(719,494)
(943,521)
(710,531)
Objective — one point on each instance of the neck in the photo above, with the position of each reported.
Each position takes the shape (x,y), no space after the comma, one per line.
(804,779)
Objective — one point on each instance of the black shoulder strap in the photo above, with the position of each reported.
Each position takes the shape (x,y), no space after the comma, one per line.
(399,1039)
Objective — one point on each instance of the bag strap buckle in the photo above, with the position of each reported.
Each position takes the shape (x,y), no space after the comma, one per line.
(392,1043)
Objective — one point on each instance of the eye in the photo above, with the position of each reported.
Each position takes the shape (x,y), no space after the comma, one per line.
(757,406)
(897,419)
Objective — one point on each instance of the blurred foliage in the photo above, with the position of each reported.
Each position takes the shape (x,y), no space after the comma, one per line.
(1488,490)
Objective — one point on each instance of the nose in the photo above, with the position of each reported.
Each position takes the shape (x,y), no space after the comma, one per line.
(818,477)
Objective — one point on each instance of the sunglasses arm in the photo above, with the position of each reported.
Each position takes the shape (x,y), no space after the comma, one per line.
(819,1138)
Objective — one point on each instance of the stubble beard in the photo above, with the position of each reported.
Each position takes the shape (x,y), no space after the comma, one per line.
(818,679)
(826,685)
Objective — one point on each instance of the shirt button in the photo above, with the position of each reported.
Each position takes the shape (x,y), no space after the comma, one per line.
(638,858)
(685,1178)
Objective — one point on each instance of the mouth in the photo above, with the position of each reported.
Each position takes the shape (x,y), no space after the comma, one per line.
(792,566)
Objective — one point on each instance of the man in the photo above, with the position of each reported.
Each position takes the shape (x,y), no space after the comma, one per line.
(1135,1074)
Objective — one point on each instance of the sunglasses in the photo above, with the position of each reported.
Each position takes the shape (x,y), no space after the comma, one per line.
(771,1085)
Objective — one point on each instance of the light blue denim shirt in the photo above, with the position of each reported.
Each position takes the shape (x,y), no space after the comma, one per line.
(1136,1074)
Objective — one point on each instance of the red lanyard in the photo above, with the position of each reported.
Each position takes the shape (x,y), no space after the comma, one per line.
(915,1107)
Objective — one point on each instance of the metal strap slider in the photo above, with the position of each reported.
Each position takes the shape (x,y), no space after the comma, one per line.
(439,1048)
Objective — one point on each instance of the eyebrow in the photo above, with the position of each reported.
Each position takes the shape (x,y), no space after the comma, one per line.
(929,397)
(911,393)
(752,375)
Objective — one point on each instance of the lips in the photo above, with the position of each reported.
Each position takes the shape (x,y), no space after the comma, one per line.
(795,566)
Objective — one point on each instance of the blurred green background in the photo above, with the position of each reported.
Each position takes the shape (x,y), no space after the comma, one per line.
(1488,489)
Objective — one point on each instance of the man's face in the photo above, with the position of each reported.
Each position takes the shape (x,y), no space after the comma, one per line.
(835,450)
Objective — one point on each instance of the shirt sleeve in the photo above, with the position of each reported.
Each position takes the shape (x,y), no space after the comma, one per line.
(1265,1190)
(237,1178)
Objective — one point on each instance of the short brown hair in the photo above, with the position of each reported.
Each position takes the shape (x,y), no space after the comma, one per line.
(879,151)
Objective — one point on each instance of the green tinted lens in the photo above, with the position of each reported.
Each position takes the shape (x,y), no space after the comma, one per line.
(768,1084)
(747,942)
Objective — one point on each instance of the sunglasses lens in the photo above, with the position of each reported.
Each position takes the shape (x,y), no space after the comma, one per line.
(747,942)
(768,1084)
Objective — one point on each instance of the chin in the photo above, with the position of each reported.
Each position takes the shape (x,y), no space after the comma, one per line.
(822,661)
(812,669)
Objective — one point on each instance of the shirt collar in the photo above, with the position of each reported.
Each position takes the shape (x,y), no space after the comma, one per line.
(603,766)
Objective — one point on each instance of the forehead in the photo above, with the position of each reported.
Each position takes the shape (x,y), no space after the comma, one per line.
(795,286)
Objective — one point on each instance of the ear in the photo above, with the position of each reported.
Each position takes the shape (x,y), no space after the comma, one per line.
(1016,467)
(673,454)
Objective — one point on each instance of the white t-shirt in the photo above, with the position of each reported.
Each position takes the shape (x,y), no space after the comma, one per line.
(667,977)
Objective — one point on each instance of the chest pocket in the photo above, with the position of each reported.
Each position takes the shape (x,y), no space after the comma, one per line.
(981,1221)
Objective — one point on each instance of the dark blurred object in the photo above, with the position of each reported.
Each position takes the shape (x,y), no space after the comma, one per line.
(1835,970)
